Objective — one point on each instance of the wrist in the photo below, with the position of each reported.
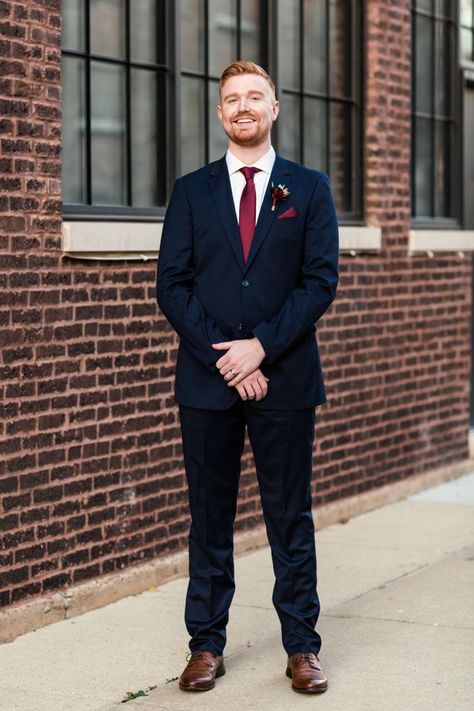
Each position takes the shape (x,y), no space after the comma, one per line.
(262,349)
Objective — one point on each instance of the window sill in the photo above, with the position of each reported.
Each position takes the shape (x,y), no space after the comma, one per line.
(141,240)
(434,241)
(111,240)
(356,240)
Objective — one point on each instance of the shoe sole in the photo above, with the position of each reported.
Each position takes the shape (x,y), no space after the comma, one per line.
(220,672)
(315,690)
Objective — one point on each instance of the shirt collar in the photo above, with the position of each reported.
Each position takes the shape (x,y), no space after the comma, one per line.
(265,163)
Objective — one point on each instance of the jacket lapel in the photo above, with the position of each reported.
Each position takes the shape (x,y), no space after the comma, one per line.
(220,186)
(267,215)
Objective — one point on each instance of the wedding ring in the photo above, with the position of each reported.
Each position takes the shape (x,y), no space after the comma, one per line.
(232,372)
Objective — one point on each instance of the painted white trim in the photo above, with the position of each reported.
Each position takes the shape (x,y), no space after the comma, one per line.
(431,241)
(141,240)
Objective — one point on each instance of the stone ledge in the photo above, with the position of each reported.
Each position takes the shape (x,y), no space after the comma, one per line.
(77,600)
(141,240)
(111,240)
(432,241)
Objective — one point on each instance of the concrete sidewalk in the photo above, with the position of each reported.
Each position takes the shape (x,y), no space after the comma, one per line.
(397,594)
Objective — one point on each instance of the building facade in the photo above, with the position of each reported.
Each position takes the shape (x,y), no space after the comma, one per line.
(103,104)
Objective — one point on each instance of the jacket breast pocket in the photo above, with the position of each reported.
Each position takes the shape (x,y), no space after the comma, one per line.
(288,231)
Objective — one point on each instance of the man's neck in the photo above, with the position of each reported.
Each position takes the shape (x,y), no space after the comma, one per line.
(249,154)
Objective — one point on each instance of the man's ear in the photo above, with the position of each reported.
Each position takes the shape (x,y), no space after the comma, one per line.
(219,112)
(276,110)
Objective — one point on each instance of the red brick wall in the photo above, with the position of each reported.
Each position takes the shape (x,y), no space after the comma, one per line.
(91,478)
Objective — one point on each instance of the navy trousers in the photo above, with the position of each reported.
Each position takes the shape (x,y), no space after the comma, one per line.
(282,445)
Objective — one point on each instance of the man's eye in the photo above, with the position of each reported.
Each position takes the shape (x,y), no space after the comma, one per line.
(255,98)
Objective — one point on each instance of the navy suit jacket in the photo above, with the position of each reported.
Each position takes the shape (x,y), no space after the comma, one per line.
(210,295)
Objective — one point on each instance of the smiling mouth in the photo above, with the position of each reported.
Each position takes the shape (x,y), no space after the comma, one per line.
(244,121)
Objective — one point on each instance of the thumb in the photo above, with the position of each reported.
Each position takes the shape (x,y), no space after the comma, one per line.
(222,346)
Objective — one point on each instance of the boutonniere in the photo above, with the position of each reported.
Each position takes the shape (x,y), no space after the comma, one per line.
(280,192)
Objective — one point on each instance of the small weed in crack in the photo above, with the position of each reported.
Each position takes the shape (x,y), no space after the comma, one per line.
(136,694)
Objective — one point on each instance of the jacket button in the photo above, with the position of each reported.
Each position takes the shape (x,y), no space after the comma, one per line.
(245,283)
(240,326)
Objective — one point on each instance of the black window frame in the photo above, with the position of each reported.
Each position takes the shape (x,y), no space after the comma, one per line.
(356,34)
(455,157)
(467,62)
(88,211)
(172,111)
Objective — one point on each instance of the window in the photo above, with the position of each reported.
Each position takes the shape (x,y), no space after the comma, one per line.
(319,77)
(141,83)
(467,30)
(434,180)
(213,34)
(114,79)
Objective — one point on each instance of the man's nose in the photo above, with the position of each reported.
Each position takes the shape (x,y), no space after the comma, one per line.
(243,103)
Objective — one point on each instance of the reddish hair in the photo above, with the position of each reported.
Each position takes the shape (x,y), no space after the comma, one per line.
(236,68)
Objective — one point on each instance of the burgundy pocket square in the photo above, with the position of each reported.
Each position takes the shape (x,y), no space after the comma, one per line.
(291,212)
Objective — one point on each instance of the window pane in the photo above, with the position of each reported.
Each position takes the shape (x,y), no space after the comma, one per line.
(444,7)
(217,137)
(144,137)
(314,149)
(222,34)
(73,130)
(423,63)
(289,127)
(340,152)
(442,57)
(423,167)
(315,45)
(340,50)
(466,13)
(193,118)
(289,39)
(250,35)
(73,27)
(108,134)
(424,4)
(467,50)
(442,169)
(107,19)
(192,34)
(146,25)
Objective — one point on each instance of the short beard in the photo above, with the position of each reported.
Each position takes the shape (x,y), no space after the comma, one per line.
(250,141)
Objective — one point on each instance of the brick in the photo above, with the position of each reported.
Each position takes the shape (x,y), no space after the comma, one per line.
(88,360)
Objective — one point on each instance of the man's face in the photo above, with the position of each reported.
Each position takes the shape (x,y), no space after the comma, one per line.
(247,110)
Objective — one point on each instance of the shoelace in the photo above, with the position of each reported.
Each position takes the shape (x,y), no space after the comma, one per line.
(307,657)
(193,657)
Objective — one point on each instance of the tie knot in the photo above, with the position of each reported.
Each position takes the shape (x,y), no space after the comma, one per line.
(249,172)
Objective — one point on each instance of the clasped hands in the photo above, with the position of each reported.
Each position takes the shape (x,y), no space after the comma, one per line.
(240,367)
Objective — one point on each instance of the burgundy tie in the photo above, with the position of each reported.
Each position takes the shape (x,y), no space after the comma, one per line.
(247,210)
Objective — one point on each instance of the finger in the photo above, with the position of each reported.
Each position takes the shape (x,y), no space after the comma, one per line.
(228,373)
(259,395)
(222,361)
(250,391)
(238,378)
(241,391)
(263,388)
(222,346)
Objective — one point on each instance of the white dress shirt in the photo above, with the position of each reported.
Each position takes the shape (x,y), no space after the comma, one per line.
(260,179)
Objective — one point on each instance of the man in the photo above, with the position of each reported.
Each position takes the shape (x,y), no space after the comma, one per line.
(248,264)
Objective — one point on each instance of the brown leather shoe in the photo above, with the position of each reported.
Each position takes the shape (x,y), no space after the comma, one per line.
(201,671)
(304,670)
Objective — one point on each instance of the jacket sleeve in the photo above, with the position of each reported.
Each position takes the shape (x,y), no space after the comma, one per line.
(307,302)
(174,283)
